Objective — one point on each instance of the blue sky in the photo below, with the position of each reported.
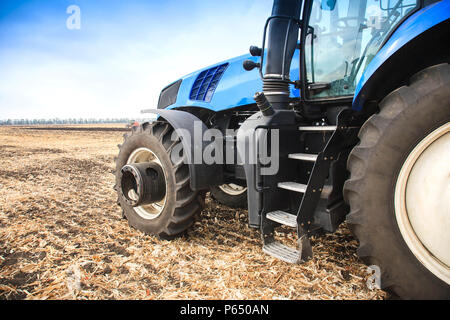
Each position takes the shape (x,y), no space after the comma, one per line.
(122,56)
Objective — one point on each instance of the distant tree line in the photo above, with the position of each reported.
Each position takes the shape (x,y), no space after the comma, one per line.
(18,122)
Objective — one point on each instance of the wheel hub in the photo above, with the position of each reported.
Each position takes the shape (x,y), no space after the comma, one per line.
(153,210)
(142,183)
(422,202)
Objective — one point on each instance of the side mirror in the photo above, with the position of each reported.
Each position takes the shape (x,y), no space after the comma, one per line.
(328,5)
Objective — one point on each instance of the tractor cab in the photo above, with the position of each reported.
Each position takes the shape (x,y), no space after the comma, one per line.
(342,38)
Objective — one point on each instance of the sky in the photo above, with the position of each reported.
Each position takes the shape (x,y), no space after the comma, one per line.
(115,62)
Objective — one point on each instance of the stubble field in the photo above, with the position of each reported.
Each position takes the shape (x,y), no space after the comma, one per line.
(62,236)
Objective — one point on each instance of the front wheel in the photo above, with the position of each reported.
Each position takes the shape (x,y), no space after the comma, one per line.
(399,188)
(171,206)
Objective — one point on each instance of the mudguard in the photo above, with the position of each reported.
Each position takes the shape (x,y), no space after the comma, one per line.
(412,27)
(191,129)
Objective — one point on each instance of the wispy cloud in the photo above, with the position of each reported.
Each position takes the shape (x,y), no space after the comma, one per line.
(120,59)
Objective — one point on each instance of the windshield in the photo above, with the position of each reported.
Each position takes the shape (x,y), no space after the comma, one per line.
(343,39)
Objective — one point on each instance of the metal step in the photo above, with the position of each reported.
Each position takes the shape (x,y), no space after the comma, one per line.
(283,218)
(299,187)
(282,252)
(303,156)
(318,128)
(293,186)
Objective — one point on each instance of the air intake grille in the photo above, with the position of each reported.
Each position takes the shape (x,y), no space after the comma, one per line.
(206,83)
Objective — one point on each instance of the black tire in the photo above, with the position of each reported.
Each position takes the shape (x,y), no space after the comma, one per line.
(233,201)
(182,204)
(407,115)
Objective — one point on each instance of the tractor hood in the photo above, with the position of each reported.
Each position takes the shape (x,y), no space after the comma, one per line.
(219,87)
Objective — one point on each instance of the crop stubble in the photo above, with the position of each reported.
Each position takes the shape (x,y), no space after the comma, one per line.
(62,236)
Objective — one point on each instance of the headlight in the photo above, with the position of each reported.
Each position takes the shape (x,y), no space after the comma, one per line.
(169,94)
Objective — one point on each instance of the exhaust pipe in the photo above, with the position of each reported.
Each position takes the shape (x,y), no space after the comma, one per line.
(142,183)
(282,41)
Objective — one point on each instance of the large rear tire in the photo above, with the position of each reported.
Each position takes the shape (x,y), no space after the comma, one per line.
(173,215)
(399,188)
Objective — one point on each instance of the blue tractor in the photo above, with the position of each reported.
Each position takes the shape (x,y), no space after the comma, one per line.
(343,114)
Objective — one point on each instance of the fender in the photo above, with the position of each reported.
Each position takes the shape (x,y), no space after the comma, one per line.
(189,127)
(410,30)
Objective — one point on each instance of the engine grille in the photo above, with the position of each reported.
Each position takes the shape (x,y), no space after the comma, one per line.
(206,83)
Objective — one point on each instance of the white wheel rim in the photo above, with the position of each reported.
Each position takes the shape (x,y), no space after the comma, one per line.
(422,202)
(232,189)
(151,211)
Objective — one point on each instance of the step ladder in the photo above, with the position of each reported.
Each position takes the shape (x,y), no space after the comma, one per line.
(310,194)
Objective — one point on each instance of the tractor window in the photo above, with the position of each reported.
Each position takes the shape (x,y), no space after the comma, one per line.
(342,40)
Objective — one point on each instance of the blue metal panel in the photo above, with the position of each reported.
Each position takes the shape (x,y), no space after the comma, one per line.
(412,27)
(235,88)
